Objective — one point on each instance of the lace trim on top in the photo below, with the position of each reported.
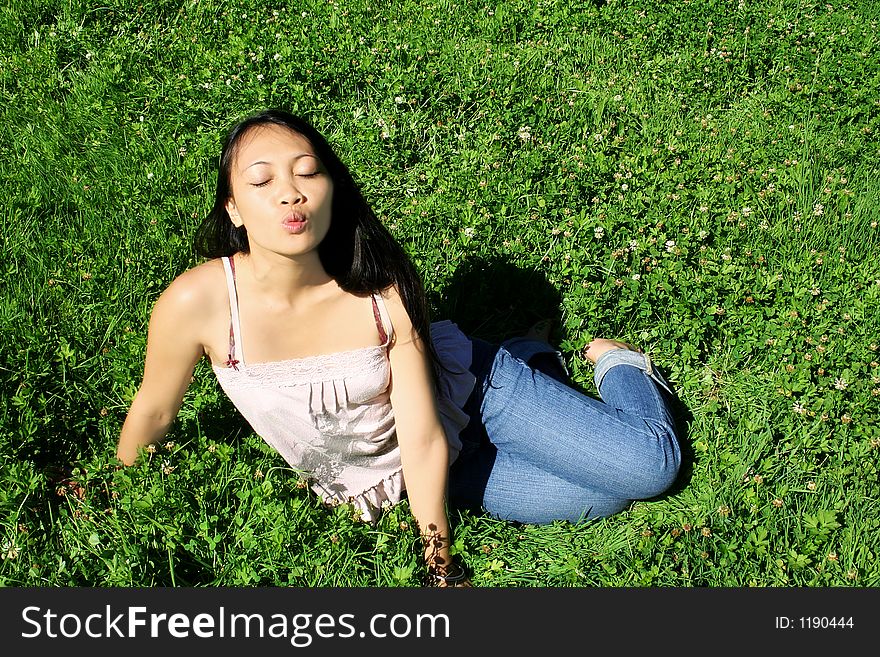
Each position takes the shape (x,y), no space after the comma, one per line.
(365,362)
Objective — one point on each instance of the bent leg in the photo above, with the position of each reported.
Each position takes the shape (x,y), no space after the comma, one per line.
(513,489)
(625,447)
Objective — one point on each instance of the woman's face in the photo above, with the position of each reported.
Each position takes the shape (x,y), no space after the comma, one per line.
(281,192)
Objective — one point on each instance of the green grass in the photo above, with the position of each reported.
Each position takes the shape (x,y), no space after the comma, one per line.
(699,178)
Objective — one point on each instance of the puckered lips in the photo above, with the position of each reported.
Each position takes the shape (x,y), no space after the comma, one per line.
(294,222)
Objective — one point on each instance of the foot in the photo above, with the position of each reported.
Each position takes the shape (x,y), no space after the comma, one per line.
(600,345)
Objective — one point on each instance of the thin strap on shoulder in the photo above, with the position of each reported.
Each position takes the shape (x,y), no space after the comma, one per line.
(383,320)
(235,322)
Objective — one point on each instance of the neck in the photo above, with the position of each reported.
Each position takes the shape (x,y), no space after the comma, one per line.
(282,280)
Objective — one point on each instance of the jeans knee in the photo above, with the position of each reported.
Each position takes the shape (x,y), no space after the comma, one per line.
(666,462)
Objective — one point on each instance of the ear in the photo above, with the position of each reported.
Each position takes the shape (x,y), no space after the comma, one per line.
(233,213)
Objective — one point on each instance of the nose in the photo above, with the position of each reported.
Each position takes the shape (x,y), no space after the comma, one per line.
(290,194)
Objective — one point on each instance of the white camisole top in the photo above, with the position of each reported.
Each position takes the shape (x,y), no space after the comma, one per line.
(330,417)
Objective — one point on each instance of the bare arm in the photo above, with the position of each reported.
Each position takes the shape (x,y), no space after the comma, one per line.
(424,450)
(173,349)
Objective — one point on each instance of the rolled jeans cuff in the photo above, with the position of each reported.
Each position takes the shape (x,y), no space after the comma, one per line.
(642,361)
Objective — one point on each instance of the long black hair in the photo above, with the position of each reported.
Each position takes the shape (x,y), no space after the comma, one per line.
(358,251)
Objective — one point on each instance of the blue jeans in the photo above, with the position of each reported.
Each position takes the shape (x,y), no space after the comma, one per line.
(536,450)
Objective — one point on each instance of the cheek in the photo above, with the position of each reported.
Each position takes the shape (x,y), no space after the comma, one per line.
(328,198)
(246,198)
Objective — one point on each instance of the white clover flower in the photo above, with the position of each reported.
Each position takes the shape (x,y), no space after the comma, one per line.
(277,56)
(524,133)
(818,210)
(840,384)
(468,232)
(670,245)
(399,100)
(747,211)
(633,245)
(798,408)
(598,232)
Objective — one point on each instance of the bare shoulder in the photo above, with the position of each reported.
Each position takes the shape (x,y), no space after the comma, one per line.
(396,308)
(397,312)
(197,293)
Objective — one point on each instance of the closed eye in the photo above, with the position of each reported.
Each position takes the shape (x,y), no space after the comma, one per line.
(300,175)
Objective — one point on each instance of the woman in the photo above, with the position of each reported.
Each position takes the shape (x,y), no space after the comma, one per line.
(315,322)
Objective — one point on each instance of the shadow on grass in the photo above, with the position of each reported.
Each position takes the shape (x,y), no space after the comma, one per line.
(496,300)
(683,419)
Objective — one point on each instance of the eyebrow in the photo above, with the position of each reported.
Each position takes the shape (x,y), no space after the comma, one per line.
(301,155)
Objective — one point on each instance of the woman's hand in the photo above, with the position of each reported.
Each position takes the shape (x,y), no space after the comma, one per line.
(452,576)
(443,569)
